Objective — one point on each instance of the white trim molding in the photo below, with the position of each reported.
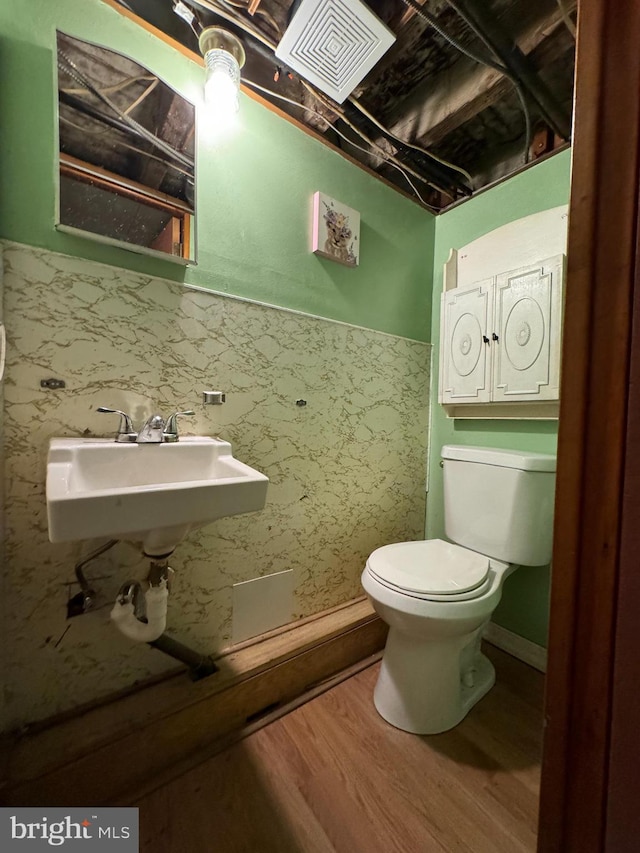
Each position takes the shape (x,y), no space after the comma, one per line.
(517,646)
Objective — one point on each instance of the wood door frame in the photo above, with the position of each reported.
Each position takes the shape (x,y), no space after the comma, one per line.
(602,276)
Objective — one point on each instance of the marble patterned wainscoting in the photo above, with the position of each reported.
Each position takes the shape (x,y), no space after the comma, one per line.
(347,471)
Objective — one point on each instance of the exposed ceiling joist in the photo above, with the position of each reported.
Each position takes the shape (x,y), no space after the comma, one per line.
(502,44)
(423,91)
(445,102)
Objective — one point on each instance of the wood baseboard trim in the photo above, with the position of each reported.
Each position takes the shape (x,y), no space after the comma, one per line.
(110,753)
(517,646)
(160,780)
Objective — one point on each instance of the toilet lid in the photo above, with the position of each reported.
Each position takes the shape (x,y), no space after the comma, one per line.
(433,567)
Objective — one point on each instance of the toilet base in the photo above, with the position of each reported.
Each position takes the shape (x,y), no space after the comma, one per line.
(428,687)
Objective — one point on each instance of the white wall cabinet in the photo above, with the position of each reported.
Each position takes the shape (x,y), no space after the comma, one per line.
(500,339)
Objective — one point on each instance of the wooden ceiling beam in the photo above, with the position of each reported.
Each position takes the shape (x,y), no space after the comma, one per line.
(443,103)
(501,42)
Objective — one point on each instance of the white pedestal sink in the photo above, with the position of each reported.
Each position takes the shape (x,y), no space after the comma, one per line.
(153,493)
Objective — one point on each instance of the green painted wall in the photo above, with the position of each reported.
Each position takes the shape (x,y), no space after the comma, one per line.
(254,188)
(525,604)
(254,194)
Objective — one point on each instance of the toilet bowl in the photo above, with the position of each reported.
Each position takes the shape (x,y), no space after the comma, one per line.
(432,670)
(437,596)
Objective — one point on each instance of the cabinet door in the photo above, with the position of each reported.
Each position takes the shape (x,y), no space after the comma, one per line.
(527,332)
(464,352)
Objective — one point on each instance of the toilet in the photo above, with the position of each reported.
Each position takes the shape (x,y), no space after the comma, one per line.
(437,596)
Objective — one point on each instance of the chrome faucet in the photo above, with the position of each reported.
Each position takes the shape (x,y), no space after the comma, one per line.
(171,426)
(153,431)
(126,432)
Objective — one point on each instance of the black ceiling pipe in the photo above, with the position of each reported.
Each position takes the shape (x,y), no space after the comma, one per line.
(88,109)
(432,170)
(485,25)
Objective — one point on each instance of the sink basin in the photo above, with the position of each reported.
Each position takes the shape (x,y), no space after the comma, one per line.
(154,493)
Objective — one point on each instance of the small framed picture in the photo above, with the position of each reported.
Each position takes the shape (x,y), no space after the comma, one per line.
(336,230)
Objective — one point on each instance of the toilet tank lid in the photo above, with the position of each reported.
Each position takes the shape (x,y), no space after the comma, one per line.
(521,459)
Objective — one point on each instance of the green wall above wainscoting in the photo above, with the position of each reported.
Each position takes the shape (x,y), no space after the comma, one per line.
(254,191)
(525,607)
(254,187)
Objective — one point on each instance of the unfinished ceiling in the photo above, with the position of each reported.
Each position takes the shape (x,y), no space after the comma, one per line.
(468,92)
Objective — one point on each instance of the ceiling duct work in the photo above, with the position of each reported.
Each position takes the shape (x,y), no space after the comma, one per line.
(334,44)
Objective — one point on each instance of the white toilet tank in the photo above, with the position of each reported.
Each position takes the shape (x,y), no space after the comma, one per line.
(500,502)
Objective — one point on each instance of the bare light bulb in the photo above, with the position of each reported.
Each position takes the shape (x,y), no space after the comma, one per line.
(222,83)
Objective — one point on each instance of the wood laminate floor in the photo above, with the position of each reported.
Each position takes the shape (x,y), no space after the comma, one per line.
(333,777)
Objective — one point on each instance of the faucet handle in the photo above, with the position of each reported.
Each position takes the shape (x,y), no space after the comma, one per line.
(171,425)
(126,431)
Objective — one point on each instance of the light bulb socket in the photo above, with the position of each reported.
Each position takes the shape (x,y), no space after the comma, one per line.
(217,39)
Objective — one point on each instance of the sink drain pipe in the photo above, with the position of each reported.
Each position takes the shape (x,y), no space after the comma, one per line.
(86,598)
(150,627)
(142,628)
(200,666)
(124,611)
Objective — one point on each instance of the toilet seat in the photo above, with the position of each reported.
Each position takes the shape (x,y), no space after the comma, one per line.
(433,570)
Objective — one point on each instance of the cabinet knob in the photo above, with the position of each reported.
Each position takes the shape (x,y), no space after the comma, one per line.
(495,337)
(485,339)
